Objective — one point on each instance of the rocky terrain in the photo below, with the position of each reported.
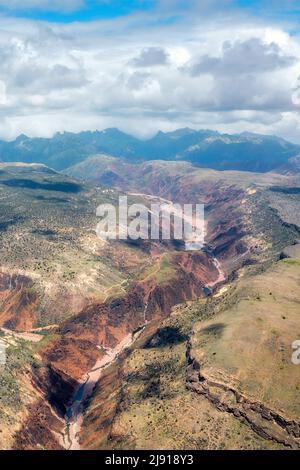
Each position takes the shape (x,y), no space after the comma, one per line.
(216,375)
(146,345)
(205,378)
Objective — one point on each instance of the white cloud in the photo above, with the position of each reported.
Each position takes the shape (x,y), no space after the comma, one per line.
(150,57)
(142,75)
(3,98)
(243,57)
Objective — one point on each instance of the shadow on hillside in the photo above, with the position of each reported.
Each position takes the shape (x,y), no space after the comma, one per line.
(62,186)
(215,330)
(166,337)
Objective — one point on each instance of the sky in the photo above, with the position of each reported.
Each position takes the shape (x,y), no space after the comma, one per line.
(149,65)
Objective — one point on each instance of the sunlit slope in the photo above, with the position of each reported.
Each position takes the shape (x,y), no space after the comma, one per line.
(249,346)
(217,374)
(244,354)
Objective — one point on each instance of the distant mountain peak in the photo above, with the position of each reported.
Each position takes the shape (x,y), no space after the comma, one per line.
(21,138)
(184,132)
(206,148)
(113,131)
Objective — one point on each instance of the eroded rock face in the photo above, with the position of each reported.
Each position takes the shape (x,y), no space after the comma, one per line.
(267,423)
(226,214)
(94,323)
(76,349)
(55,386)
(18,302)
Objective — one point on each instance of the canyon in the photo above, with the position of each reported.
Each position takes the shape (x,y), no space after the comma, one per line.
(118,300)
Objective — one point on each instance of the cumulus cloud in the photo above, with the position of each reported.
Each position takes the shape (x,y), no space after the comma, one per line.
(143,75)
(138,80)
(243,57)
(248,75)
(150,57)
(35,78)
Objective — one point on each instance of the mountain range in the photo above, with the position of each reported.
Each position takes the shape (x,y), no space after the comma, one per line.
(203,148)
(142,344)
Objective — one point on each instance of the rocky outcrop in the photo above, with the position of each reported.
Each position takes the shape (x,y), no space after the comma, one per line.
(267,423)
(56,387)
(79,342)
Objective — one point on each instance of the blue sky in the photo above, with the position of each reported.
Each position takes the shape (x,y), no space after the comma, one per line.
(79,11)
(87,10)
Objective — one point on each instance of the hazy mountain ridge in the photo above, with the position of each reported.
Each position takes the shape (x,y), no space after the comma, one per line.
(205,148)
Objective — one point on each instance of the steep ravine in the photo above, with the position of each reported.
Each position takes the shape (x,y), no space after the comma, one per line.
(87,344)
(74,414)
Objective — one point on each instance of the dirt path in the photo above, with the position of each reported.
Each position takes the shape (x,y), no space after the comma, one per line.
(33,337)
(44,328)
